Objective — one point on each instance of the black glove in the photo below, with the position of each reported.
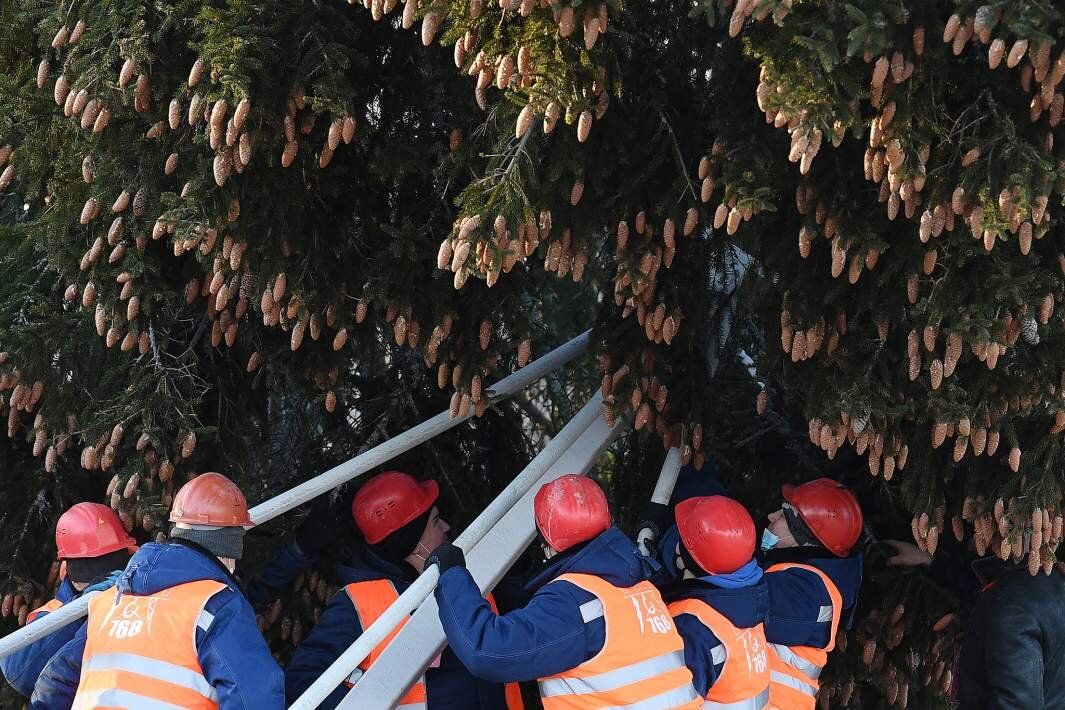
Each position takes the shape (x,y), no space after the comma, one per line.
(656,517)
(322,526)
(446,556)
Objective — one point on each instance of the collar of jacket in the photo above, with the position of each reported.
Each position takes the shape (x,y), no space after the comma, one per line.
(366,565)
(990,569)
(796,554)
(744,606)
(210,556)
(610,555)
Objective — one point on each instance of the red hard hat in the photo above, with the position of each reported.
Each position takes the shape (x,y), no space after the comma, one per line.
(211,499)
(570,510)
(717,531)
(830,511)
(389,501)
(90,530)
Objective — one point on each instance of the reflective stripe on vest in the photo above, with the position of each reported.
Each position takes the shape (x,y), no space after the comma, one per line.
(140,651)
(371,599)
(795,669)
(756,703)
(641,665)
(44,609)
(744,680)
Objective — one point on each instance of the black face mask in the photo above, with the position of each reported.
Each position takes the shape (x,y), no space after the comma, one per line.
(799,530)
(683,560)
(542,546)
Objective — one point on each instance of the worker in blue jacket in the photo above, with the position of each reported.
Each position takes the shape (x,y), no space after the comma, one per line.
(93,546)
(224,658)
(657,534)
(814,575)
(595,633)
(720,603)
(400,522)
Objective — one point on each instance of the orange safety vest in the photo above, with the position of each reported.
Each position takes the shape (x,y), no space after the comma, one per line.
(641,664)
(794,670)
(744,680)
(370,600)
(44,608)
(140,651)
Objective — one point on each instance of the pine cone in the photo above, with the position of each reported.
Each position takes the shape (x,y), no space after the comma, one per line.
(576,192)
(140,202)
(1030,330)
(430,26)
(584,126)
(566,21)
(196,72)
(1017,52)
(935,370)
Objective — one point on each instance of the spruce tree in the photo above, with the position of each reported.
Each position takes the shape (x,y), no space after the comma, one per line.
(311,224)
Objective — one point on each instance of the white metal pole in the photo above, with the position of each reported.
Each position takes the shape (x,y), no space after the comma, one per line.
(726,283)
(422,638)
(30,633)
(422,587)
(334,477)
(667,479)
(415,435)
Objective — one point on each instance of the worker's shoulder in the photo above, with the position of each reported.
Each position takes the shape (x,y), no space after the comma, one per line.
(805,574)
(1040,590)
(566,587)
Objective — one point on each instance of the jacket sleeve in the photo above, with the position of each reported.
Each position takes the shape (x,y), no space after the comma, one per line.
(545,637)
(282,570)
(58,684)
(338,628)
(1014,657)
(703,653)
(800,609)
(23,667)
(235,658)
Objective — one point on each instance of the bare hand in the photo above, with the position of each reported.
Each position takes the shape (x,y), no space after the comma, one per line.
(909,555)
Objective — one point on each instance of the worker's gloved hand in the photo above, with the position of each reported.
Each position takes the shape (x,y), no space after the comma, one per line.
(655,520)
(320,528)
(446,556)
(105,583)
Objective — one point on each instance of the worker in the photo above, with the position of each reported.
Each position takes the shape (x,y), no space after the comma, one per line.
(595,634)
(175,631)
(93,548)
(400,521)
(720,603)
(813,575)
(1013,625)
(657,535)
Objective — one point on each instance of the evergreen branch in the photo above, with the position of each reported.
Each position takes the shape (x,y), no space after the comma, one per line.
(680,156)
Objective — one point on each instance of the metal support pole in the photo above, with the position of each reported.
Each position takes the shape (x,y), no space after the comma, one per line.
(421,639)
(415,435)
(667,479)
(334,477)
(422,587)
(31,633)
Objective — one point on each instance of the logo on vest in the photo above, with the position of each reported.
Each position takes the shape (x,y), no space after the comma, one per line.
(129,621)
(755,650)
(650,614)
